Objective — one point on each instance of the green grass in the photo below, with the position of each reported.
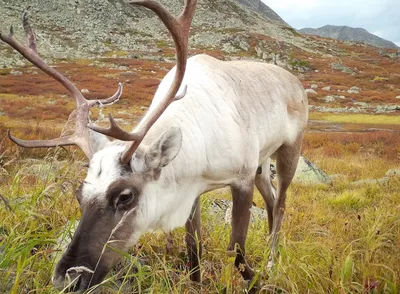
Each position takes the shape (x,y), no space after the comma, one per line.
(335,239)
(357,118)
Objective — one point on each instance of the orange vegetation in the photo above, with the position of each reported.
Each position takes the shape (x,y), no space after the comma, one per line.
(385,144)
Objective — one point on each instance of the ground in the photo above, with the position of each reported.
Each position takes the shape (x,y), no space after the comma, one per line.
(339,238)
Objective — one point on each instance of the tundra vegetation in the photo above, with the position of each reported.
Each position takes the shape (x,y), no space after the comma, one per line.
(339,238)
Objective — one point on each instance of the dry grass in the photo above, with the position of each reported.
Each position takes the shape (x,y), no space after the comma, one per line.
(335,239)
(384,144)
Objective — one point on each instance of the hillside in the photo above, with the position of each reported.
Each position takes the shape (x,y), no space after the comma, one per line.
(77,29)
(346,33)
(263,9)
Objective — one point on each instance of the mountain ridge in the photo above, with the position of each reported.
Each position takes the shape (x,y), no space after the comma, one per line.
(347,33)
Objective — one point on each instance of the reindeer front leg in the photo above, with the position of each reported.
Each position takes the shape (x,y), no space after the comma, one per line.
(242,197)
(193,241)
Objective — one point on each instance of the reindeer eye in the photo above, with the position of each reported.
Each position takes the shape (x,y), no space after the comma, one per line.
(124,198)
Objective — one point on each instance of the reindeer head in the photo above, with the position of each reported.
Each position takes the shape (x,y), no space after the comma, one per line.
(123,183)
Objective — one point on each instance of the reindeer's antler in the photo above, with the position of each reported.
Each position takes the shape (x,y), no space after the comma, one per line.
(81,135)
(179,28)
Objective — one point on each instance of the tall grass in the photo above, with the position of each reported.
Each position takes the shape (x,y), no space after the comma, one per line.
(335,239)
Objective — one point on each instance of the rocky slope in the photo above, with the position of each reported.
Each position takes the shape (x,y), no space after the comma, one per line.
(89,28)
(346,33)
(261,8)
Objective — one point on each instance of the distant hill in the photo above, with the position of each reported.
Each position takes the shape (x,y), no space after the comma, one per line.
(346,33)
(261,8)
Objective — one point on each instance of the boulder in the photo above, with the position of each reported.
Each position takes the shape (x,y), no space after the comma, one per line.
(328,88)
(308,173)
(222,210)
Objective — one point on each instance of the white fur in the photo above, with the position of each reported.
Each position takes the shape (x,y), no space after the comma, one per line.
(106,161)
(233,118)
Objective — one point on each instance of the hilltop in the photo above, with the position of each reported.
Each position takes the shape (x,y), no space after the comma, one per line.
(346,33)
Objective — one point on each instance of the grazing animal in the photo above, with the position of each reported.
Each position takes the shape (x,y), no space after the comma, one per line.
(211,124)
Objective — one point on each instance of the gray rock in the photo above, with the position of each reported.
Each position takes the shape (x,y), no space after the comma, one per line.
(362,104)
(229,48)
(393,172)
(241,42)
(310,92)
(328,88)
(397,97)
(85,91)
(342,68)
(16,73)
(332,98)
(354,90)
(222,209)
(386,108)
(308,173)
(329,99)
(315,86)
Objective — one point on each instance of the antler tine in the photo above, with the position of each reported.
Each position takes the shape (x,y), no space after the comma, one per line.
(81,135)
(114,131)
(108,101)
(179,28)
(30,36)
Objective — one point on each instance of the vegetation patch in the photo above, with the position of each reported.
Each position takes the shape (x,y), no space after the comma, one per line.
(356,118)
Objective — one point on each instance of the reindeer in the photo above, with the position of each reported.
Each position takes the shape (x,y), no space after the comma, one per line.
(211,124)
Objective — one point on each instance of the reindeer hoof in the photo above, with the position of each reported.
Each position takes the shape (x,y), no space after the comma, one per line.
(231,253)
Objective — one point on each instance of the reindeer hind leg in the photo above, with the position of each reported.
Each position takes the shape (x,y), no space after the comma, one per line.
(266,189)
(287,160)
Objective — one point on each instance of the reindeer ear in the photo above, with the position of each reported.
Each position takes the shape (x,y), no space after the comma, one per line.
(165,149)
(97,141)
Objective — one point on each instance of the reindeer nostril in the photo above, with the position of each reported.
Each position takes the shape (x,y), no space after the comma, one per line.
(73,280)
